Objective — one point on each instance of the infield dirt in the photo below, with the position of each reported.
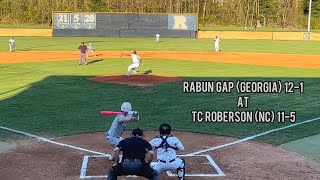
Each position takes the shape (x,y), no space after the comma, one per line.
(264,59)
(249,160)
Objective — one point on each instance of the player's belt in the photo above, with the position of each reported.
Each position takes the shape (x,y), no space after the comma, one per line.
(131,160)
(169,161)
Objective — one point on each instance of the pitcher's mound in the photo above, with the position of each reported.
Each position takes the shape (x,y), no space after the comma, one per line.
(136,80)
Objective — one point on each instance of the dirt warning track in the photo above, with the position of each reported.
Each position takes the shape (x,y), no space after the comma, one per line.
(263,59)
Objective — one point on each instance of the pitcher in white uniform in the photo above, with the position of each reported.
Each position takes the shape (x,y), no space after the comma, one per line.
(166,146)
(136,63)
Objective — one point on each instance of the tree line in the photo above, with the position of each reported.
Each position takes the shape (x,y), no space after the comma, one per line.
(275,13)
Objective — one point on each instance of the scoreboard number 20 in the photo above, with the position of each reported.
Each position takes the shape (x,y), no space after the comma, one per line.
(89,18)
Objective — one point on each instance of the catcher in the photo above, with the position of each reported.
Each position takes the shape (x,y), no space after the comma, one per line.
(119,124)
(166,146)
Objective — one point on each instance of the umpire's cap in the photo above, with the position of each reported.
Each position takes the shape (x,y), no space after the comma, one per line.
(165,129)
(137,132)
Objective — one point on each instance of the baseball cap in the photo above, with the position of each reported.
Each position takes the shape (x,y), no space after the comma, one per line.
(137,132)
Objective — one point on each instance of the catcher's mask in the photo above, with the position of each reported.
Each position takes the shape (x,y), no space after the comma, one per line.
(126,107)
(137,132)
(165,129)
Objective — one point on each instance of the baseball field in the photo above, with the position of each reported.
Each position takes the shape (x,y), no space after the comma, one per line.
(50,105)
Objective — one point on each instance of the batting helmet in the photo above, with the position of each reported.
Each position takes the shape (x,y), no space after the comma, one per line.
(165,129)
(126,107)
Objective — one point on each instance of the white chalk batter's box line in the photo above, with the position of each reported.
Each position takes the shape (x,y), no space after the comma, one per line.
(84,167)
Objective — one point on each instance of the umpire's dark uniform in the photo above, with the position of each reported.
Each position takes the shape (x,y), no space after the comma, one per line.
(134,151)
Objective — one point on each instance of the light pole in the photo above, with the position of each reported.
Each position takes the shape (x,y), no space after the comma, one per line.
(309,18)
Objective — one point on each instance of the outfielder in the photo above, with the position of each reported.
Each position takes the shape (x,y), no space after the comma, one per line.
(136,63)
(166,146)
(119,125)
(91,49)
(157,38)
(12,44)
(217,44)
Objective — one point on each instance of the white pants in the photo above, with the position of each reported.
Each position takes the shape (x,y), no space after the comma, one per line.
(11,47)
(217,47)
(167,166)
(157,40)
(133,67)
(113,140)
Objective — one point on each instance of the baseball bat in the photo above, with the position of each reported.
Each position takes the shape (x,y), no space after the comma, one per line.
(111,113)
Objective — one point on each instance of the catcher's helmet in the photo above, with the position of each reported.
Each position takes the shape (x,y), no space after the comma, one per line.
(126,107)
(137,132)
(165,129)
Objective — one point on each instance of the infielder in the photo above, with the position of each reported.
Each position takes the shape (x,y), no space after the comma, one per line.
(12,44)
(91,49)
(217,44)
(166,146)
(119,124)
(136,63)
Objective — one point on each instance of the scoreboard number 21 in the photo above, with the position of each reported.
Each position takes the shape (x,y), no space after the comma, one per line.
(63,18)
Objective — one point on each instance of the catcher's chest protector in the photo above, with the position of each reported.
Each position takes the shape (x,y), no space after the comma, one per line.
(164,144)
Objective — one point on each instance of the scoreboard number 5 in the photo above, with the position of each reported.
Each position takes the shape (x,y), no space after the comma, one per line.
(76,18)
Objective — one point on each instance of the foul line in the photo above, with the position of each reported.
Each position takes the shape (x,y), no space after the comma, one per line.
(254,136)
(53,142)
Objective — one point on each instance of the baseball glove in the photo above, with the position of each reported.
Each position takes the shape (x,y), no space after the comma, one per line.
(134,115)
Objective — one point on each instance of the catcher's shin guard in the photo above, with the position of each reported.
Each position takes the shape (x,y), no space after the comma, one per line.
(181,170)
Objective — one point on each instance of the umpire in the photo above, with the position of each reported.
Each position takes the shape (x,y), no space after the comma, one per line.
(136,159)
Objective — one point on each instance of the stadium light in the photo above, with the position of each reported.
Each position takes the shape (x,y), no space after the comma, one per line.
(309,18)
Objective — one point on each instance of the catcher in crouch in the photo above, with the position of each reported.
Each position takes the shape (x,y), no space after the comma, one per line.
(166,146)
(119,125)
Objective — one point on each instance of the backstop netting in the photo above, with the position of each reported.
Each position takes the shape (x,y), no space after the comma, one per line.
(124,25)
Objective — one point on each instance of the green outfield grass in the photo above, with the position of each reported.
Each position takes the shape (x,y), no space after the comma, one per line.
(167,44)
(56,98)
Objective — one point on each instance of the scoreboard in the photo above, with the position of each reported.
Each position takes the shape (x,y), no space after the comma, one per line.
(91,24)
(74,21)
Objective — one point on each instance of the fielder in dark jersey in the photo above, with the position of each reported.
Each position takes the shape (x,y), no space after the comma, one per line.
(83,50)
